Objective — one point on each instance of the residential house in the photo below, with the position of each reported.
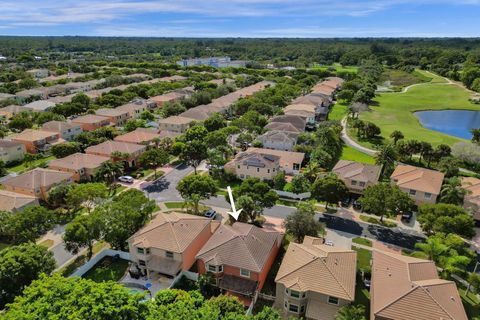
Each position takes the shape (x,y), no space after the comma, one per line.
(472,198)
(91,122)
(423,185)
(40,105)
(169,243)
(170,97)
(23,95)
(38,73)
(175,124)
(67,130)
(15,202)
(37,140)
(282,126)
(108,148)
(239,257)
(290,162)
(37,183)
(309,116)
(315,280)
(357,176)
(407,288)
(6,96)
(135,108)
(298,122)
(11,151)
(218,62)
(82,166)
(70,75)
(278,140)
(254,164)
(11,110)
(139,135)
(115,116)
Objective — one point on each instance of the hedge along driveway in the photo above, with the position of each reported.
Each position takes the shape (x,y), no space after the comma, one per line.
(395,111)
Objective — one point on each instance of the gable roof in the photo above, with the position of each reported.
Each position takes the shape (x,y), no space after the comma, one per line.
(40,105)
(313,266)
(38,178)
(9,144)
(257,160)
(240,245)
(296,121)
(346,169)
(33,135)
(170,231)
(111,112)
(58,126)
(139,135)
(282,126)
(279,136)
(90,118)
(409,289)
(78,161)
(109,147)
(286,157)
(420,179)
(176,120)
(12,201)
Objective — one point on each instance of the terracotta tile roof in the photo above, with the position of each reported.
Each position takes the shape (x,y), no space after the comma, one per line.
(300,113)
(78,161)
(90,118)
(296,121)
(133,106)
(357,171)
(139,135)
(279,136)
(58,126)
(312,266)
(472,185)
(12,201)
(168,134)
(38,178)
(172,232)
(420,179)
(14,109)
(200,113)
(282,126)
(109,147)
(300,106)
(409,289)
(111,112)
(33,135)
(176,120)
(286,157)
(9,144)
(40,105)
(311,99)
(240,245)
(255,159)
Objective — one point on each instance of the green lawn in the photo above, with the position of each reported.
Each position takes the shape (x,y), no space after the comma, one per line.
(338,67)
(373,220)
(21,167)
(46,243)
(107,269)
(399,78)
(363,241)
(471,304)
(174,205)
(338,111)
(69,268)
(362,296)
(352,154)
(415,254)
(363,258)
(395,110)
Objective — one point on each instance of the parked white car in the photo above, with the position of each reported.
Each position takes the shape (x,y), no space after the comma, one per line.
(126,179)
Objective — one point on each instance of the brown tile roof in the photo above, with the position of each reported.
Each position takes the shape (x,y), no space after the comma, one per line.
(296,121)
(409,289)
(240,245)
(139,135)
(286,157)
(33,135)
(280,136)
(176,120)
(254,159)
(281,126)
(200,113)
(300,106)
(358,171)
(168,134)
(14,109)
(9,144)
(313,266)
(58,126)
(109,147)
(472,185)
(133,106)
(38,178)
(111,112)
(310,99)
(420,179)
(78,161)
(172,232)
(12,201)
(90,118)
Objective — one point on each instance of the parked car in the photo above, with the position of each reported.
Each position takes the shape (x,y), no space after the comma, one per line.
(367,283)
(345,202)
(210,214)
(356,205)
(126,179)
(406,217)
(329,243)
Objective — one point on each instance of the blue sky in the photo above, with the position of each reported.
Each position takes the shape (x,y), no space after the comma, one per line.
(242,18)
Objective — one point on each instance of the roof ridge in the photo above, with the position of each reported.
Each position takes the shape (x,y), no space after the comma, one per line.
(298,245)
(434,300)
(336,279)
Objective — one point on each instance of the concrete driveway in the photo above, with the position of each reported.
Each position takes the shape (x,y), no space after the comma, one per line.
(164,188)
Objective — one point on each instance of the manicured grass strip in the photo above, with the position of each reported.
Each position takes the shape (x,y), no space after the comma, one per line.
(373,220)
(363,258)
(363,241)
(471,304)
(21,167)
(107,270)
(174,205)
(81,259)
(338,111)
(47,243)
(414,254)
(352,154)
(362,296)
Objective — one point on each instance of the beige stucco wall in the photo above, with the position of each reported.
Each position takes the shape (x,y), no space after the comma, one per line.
(266,173)
(15,153)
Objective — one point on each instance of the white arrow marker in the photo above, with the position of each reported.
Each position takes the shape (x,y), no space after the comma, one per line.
(234,212)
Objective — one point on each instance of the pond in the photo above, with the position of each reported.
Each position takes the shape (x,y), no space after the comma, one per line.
(456,123)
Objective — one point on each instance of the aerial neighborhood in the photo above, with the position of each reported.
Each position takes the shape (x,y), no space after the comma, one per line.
(144,185)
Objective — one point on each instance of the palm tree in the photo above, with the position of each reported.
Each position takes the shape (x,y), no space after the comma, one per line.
(452,191)
(433,248)
(396,135)
(108,171)
(351,312)
(386,157)
(312,171)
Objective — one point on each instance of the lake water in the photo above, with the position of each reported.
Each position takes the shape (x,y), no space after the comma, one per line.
(456,123)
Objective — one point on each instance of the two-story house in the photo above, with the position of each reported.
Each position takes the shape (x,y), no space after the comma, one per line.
(472,198)
(82,166)
(175,124)
(315,280)
(129,152)
(37,182)
(423,185)
(67,130)
(116,116)
(169,243)
(290,162)
(299,123)
(134,108)
(15,202)
(91,122)
(278,140)
(306,111)
(239,257)
(36,141)
(254,164)
(140,136)
(357,176)
(11,151)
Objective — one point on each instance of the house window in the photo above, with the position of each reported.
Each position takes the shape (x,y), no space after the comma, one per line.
(302,309)
(333,300)
(142,263)
(242,176)
(354,182)
(215,269)
(268,170)
(293,308)
(169,254)
(286,305)
(361,184)
(294,294)
(413,192)
(238,167)
(245,273)
(428,195)
(273,169)
(258,169)
(296,166)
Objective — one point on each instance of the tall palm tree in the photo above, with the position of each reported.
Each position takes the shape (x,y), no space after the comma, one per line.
(386,157)
(312,171)
(108,171)
(433,248)
(396,135)
(452,191)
